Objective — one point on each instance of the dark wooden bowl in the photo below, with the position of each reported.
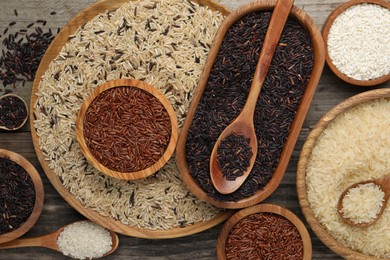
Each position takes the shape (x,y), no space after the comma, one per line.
(325,33)
(319,60)
(264,208)
(39,195)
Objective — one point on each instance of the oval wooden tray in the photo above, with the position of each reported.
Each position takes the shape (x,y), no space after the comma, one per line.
(325,32)
(39,195)
(310,143)
(319,61)
(263,208)
(50,54)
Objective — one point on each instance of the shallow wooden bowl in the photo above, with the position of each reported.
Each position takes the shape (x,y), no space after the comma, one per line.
(325,32)
(110,223)
(319,61)
(264,208)
(136,174)
(39,195)
(24,120)
(304,158)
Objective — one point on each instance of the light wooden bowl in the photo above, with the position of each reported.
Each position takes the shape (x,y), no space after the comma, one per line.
(51,53)
(309,145)
(147,88)
(39,195)
(24,120)
(264,208)
(325,33)
(319,60)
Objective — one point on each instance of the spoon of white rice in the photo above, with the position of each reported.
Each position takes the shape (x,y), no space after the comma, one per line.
(363,203)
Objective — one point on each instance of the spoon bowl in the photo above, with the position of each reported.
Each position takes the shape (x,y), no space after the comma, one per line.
(50,241)
(243,124)
(383,183)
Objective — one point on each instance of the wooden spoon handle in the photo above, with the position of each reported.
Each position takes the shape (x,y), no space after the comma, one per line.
(48,241)
(275,28)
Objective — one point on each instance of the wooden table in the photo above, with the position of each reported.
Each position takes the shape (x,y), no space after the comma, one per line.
(57,212)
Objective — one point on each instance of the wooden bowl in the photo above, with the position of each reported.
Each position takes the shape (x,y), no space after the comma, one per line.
(106,221)
(319,60)
(304,158)
(263,208)
(136,174)
(325,33)
(25,118)
(39,196)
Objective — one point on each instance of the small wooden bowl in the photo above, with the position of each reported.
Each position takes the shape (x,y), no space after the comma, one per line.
(319,61)
(39,195)
(325,32)
(25,118)
(264,208)
(304,158)
(136,174)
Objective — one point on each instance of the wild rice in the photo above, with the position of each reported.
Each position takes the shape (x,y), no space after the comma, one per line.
(164,43)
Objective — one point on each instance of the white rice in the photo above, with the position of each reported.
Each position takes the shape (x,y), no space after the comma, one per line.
(354,147)
(358,42)
(164,43)
(84,240)
(362,203)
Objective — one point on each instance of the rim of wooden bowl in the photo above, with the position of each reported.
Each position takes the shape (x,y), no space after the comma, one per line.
(325,32)
(304,157)
(148,89)
(319,61)
(25,106)
(264,208)
(39,195)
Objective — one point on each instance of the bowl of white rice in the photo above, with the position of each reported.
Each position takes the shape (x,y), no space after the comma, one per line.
(356,36)
(349,144)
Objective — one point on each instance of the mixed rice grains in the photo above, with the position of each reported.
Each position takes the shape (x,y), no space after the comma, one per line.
(164,43)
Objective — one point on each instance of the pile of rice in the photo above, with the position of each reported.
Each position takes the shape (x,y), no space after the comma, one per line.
(84,240)
(164,43)
(362,203)
(354,147)
(358,42)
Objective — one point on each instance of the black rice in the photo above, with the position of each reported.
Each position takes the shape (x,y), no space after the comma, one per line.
(226,92)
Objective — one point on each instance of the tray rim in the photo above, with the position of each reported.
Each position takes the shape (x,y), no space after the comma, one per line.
(115,225)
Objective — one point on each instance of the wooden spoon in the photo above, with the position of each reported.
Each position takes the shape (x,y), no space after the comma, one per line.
(243,124)
(50,241)
(15,127)
(383,183)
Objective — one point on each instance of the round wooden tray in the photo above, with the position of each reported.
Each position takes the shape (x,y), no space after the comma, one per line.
(51,53)
(309,145)
(319,61)
(325,32)
(264,208)
(39,195)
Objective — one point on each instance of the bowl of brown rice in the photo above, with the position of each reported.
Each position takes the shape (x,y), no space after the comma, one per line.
(349,144)
(127,129)
(356,39)
(264,231)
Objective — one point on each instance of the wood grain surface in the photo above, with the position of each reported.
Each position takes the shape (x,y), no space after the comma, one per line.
(56,212)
